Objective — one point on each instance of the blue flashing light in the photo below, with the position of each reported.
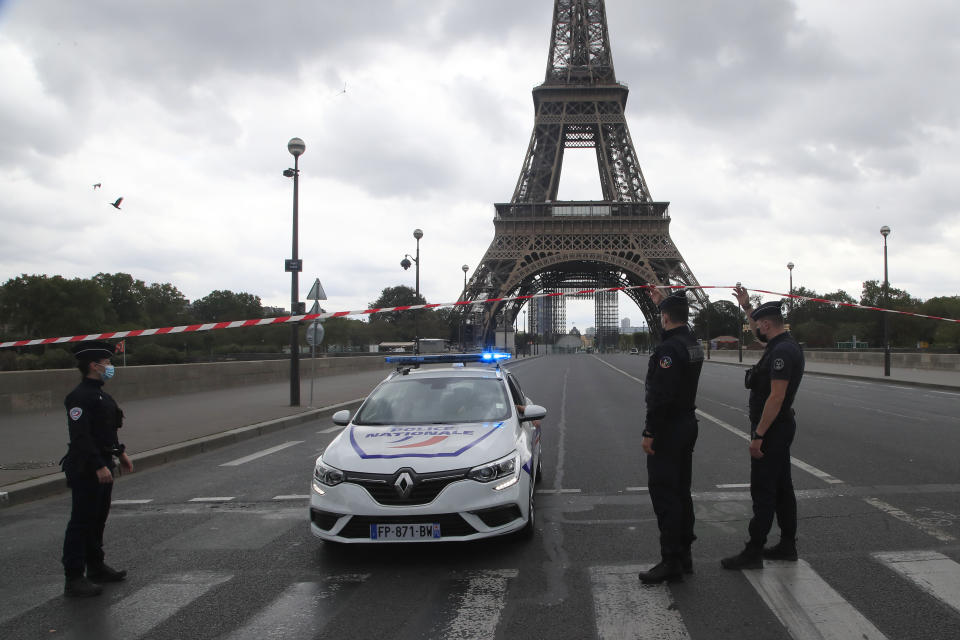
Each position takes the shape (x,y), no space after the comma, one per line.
(449,358)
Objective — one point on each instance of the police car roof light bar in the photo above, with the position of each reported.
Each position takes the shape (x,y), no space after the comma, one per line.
(449,358)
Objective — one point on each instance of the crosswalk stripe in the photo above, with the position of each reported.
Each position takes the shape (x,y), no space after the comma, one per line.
(295,496)
(121,502)
(933,572)
(301,611)
(213,499)
(143,610)
(626,609)
(479,607)
(807,606)
(260,454)
(899,514)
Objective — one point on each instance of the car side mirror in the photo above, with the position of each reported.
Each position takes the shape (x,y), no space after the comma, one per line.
(341,418)
(533,412)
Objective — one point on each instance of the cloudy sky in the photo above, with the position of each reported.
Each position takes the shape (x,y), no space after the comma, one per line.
(779,131)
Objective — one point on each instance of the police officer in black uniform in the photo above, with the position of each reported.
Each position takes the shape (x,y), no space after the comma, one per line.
(673,373)
(773,384)
(93,419)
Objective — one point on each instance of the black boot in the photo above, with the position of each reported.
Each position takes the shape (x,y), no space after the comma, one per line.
(104,573)
(80,587)
(686,560)
(668,570)
(783,550)
(750,558)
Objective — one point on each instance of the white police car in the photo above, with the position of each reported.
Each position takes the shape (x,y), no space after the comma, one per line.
(432,454)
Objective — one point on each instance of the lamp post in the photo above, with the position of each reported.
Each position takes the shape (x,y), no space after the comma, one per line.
(296,147)
(463,297)
(885,231)
(526,334)
(790,266)
(405,263)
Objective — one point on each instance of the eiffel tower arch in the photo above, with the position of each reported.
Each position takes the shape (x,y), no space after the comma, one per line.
(542,245)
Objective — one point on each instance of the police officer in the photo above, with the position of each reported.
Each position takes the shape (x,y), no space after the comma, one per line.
(773,384)
(92,419)
(673,373)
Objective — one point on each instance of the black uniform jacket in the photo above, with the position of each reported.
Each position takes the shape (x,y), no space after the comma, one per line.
(782,360)
(672,377)
(93,418)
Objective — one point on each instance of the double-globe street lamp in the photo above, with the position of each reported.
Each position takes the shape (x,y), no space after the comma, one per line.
(296,147)
(405,263)
(885,231)
(790,266)
(465,308)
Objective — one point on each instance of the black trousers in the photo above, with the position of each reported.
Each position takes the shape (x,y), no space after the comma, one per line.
(669,475)
(83,540)
(771,487)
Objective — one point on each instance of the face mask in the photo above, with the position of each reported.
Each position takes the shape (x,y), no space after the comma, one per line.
(761,336)
(108,371)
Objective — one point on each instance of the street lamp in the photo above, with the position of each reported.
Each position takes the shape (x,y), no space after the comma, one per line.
(790,267)
(885,231)
(296,147)
(463,297)
(405,263)
(526,334)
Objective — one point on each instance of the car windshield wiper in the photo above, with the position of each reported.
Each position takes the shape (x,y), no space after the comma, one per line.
(371,424)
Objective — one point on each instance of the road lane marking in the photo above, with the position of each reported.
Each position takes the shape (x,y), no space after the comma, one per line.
(293,497)
(114,502)
(638,488)
(332,429)
(562,429)
(891,510)
(260,454)
(800,464)
(141,611)
(556,491)
(213,499)
(723,404)
(807,606)
(734,486)
(301,611)
(933,572)
(478,608)
(625,609)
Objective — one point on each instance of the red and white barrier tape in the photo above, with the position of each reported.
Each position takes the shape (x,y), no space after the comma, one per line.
(236,324)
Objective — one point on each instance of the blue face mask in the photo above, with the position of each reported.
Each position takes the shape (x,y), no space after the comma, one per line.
(108,371)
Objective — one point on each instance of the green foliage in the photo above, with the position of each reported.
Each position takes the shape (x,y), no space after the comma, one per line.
(153,354)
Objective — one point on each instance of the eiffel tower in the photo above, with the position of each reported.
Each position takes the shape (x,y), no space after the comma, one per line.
(542,245)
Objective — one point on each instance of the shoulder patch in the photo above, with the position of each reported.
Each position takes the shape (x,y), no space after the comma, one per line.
(778,364)
(75,413)
(666,362)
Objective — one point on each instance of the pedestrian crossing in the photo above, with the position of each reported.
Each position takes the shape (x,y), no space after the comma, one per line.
(475,602)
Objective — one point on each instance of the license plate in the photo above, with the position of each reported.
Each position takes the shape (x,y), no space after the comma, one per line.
(425,531)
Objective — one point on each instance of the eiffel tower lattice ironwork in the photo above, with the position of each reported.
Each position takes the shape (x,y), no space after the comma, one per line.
(544,245)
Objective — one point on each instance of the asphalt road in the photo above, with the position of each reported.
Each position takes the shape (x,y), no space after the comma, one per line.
(225,551)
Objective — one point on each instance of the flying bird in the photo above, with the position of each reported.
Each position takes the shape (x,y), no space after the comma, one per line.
(116,205)
(96,186)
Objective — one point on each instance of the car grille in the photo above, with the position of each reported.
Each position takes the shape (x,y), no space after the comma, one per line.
(426,486)
(451,524)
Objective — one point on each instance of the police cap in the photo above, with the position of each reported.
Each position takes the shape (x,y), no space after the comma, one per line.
(767,309)
(676,300)
(93,350)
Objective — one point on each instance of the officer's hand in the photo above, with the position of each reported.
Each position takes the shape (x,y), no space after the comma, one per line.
(656,295)
(104,476)
(755,451)
(126,463)
(647,445)
(742,296)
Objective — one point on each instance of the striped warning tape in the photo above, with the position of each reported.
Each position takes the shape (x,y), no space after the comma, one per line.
(236,324)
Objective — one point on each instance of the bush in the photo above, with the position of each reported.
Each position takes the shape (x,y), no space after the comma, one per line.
(154,354)
(28,361)
(57,359)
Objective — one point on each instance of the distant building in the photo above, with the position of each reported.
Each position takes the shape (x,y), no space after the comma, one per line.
(625,324)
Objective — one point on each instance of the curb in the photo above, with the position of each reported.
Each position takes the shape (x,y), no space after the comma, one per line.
(52,484)
(847,376)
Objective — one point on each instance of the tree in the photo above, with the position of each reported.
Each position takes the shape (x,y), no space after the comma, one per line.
(41,306)
(722,318)
(126,297)
(164,305)
(224,305)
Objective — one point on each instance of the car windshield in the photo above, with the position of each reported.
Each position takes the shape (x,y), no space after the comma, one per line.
(435,401)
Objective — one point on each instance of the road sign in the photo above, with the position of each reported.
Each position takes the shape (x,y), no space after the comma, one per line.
(316,308)
(314,333)
(316,291)
(293,265)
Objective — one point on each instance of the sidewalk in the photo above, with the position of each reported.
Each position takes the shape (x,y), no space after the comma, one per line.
(949,380)
(158,430)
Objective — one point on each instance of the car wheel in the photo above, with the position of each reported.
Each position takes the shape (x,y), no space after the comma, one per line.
(526,533)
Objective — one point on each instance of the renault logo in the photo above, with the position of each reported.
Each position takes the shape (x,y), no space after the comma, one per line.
(404,485)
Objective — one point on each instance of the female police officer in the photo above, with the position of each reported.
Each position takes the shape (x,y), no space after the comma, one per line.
(93,419)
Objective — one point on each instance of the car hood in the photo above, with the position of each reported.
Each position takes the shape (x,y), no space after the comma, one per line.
(425,448)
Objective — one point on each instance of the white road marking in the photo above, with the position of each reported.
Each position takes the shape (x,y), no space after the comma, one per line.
(933,572)
(213,499)
(723,404)
(800,464)
(260,454)
(141,611)
(625,609)
(891,510)
(556,491)
(734,486)
(131,501)
(332,429)
(638,488)
(807,606)
(561,430)
(478,609)
(293,497)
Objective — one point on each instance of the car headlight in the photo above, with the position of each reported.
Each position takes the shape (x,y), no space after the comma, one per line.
(327,475)
(506,469)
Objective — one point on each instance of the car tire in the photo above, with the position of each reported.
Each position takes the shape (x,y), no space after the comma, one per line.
(526,533)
